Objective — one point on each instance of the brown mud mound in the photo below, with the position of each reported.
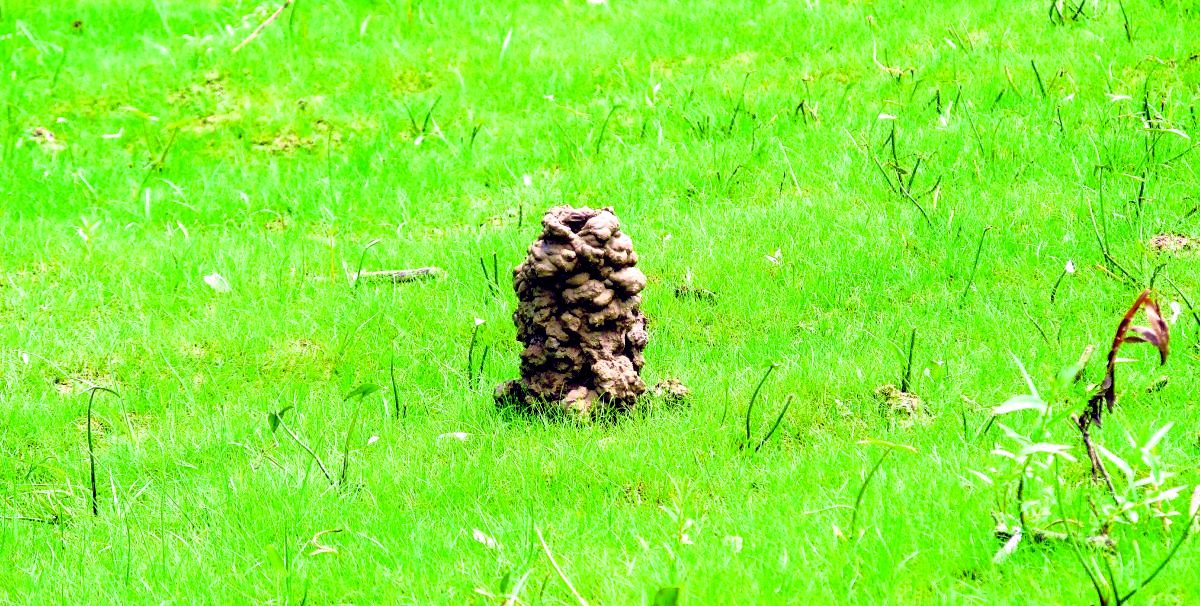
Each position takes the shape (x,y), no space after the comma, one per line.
(579,316)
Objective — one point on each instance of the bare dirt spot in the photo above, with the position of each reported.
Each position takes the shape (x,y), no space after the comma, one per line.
(295,356)
(671,392)
(1173,243)
(100,427)
(212,89)
(900,405)
(46,139)
(195,351)
(278,224)
(687,291)
(288,142)
(408,81)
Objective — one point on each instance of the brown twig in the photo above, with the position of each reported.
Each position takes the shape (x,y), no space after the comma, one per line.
(400,276)
(258,30)
(1098,470)
(1005,533)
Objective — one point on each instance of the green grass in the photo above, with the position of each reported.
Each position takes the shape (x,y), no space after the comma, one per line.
(721,132)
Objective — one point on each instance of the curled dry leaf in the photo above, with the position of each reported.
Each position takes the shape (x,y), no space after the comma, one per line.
(1156,333)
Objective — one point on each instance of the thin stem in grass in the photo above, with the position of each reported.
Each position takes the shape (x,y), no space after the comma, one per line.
(1100,239)
(788,161)
(1021,494)
(1099,472)
(412,120)
(558,570)
(51,520)
(912,176)
(975,265)
(310,452)
(1183,537)
(899,187)
(491,279)
(754,396)
(738,108)
(1125,22)
(471,352)
(346,448)
(362,259)
(396,392)
(604,127)
(1055,10)
(1101,230)
(156,164)
(487,279)
(1078,10)
(91,445)
(329,166)
(276,421)
(778,420)
(1191,310)
(429,115)
(1154,275)
(1112,578)
(292,18)
(1036,325)
(1038,77)
(1069,268)
(360,392)
(907,378)
(58,69)
(92,455)
(483,362)
(471,141)
(974,131)
(862,490)
(1073,540)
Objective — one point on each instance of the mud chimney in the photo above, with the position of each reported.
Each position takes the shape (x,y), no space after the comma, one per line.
(579,316)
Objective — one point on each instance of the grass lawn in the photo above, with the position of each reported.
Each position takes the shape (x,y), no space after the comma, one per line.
(838,175)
